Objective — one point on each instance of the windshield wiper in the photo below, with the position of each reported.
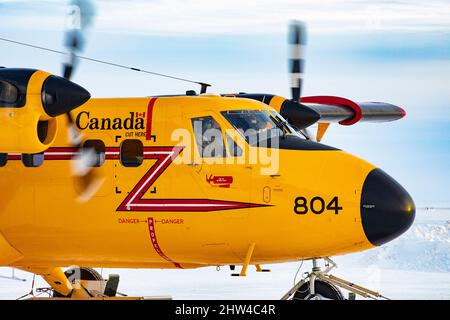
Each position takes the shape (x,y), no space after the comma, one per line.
(281,126)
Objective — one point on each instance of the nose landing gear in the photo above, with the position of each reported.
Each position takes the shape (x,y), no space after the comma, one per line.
(320,285)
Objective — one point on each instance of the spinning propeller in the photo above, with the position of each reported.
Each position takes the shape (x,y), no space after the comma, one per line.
(87,179)
(297,45)
(323,110)
(296,66)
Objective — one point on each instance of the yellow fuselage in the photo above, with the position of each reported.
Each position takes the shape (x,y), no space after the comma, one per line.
(41,219)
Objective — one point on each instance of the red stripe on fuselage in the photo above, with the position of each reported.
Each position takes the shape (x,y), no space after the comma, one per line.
(188,205)
(150,107)
(134,201)
(67,153)
(152,231)
(164,157)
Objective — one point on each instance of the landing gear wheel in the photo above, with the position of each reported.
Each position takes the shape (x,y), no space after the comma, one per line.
(88,274)
(323,290)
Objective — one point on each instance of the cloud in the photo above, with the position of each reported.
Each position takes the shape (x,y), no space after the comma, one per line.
(180,17)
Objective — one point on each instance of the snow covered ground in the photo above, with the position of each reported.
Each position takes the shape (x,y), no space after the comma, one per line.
(415,266)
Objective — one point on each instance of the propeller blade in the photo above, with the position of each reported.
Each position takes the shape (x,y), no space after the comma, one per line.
(297,45)
(87,180)
(81,14)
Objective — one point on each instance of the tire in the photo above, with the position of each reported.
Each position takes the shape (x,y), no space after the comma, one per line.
(323,289)
(88,274)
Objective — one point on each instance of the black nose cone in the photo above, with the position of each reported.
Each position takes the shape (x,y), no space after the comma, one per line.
(387,210)
(60,96)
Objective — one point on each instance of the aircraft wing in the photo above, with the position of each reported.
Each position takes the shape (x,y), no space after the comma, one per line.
(346,112)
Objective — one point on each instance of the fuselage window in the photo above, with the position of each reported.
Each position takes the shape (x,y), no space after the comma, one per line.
(131,153)
(209,138)
(3,159)
(233,147)
(98,147)
(33,160)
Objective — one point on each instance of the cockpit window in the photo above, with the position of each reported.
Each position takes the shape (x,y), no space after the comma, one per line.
(8,92)
(209,138)
(233,147)
(254,124)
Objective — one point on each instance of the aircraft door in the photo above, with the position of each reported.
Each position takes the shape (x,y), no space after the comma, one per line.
(219,164)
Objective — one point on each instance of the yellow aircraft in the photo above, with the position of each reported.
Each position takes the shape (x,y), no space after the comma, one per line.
(185,182)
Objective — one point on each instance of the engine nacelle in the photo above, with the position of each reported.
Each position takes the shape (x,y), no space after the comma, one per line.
(347,112)
(327,109)
(29,102)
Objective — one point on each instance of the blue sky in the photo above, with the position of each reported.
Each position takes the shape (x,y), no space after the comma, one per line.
(392,51)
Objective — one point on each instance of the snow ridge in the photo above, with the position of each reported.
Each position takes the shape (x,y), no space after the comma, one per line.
(425,247)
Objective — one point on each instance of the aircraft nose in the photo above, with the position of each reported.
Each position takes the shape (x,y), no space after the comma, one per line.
(387,210)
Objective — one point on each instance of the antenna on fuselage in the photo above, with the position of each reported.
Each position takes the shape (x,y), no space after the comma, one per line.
(204,87)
